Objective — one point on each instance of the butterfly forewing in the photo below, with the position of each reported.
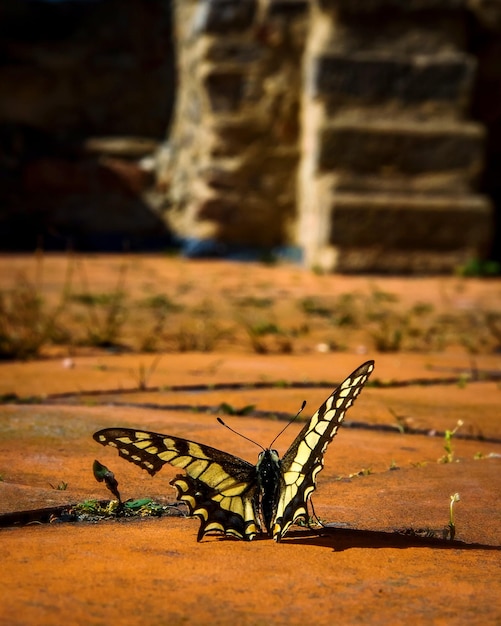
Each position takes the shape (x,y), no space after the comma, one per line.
(305,457)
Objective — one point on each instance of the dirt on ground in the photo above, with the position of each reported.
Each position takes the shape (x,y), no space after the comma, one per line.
(166,345)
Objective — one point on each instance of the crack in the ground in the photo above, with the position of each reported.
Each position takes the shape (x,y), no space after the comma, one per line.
(81,398)
(276,415)
(464,377)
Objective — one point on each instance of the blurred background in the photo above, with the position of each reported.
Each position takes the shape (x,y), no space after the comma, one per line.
(356,136)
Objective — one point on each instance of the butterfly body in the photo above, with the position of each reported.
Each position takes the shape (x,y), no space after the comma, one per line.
(230,495)
(269,477)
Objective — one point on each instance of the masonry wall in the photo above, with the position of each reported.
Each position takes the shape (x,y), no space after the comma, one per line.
(343,127)
(390,161)
(339,126)
(234,143)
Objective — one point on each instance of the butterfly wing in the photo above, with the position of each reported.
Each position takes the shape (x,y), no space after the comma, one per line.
(219,488)
(305,458)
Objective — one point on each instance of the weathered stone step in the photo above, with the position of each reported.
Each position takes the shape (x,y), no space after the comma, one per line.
(410,221)
(353,260)
(362,77)
(409,148)
(360,7)
(399,233)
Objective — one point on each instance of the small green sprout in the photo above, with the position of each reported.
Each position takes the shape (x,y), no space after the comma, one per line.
(229,409)
(449,434)
(88,506)
(419,464)
(451,528)
(402,422)
(463,381)
(143,373)
(365,471)
(62,486)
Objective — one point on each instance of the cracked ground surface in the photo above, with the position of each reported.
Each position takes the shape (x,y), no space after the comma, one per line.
(382,493)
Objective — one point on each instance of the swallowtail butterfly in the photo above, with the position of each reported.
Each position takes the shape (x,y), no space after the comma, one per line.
(230,495)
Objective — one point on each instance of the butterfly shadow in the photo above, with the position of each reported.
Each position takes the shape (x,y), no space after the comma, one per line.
(340,539)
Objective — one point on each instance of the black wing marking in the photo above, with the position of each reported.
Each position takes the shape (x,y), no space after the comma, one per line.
(219,488)
(305,457)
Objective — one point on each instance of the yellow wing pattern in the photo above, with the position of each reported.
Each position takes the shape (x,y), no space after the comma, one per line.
(305,458)
(219,488)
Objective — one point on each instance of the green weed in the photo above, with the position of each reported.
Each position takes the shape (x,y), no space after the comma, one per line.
(348,311)
(402,422)
(253,301)
(62,486)
(228,409)
(267,336)
(106,312)
(365,471)
(493,325)
(313,306)
(479,267)
(448,457)
(142,374)
(201,332)
(161,308)
(27,324)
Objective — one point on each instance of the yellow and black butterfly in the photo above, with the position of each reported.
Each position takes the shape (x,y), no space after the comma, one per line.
(230,495)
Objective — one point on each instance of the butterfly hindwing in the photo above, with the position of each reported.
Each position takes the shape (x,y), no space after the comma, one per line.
(305,457)
(232,511)
(218,487)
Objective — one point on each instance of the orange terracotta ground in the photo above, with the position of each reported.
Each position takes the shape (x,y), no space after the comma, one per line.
(357,570)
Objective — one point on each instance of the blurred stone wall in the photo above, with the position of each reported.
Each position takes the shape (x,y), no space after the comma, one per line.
(340,126)
(235,139)
(366,133)
(390,182)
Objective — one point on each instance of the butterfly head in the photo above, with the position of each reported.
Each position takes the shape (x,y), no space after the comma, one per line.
(268,456)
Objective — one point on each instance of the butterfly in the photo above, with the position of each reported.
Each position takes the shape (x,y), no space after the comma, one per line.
(230,495)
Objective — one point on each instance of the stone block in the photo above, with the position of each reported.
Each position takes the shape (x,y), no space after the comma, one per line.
(359,7)
(288,8)
(270,178)
(237,220)
(402,148)
(369,79)
(223,16)
(224,90)
(411,233)
(234,51)
(411,222)
(228,137)
(378,260)
(400,35)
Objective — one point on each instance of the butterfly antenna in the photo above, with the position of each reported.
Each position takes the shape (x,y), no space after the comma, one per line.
(239,434)
(289,423)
